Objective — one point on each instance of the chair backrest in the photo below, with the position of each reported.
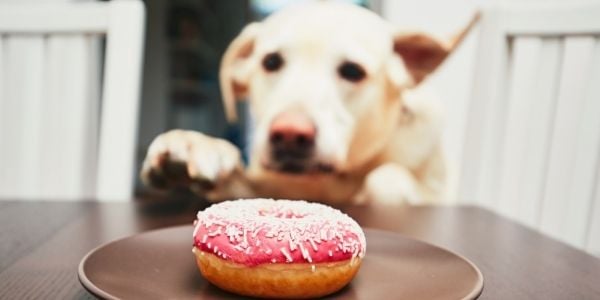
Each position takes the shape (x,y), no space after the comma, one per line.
(68,126)
(532,149)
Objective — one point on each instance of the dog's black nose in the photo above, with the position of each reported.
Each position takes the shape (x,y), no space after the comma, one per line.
(292,137)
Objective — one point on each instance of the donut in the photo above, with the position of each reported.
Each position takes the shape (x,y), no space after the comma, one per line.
(277,248)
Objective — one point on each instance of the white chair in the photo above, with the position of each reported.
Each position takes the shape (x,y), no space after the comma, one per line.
(68,128)
(532,149)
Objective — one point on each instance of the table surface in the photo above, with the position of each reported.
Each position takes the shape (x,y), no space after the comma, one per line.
(41,244)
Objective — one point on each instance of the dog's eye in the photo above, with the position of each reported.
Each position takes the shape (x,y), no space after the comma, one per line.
(272,62)
(351,71)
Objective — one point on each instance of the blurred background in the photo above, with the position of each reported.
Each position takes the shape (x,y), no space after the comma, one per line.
(85,86)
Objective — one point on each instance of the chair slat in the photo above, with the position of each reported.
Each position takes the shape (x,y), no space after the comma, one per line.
(587,151)
(92,115)
(21,116)
(66,127)
(564,208)
(485,114)
(4,134)
(120,102)
(593,99)
(538,125)
(520,98)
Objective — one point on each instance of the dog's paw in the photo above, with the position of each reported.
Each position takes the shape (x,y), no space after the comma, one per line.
(186,158)
(389,184)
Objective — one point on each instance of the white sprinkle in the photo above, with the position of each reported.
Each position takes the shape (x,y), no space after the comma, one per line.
(216,249)
(330,253)
(314,246)
(204,238)
(268,251)
(305,253)
(287,255)
(196,228)
(245,238)
(273,260)
(208,245)
(215,233)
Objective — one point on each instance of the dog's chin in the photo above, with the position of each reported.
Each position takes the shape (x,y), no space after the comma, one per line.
(298,168)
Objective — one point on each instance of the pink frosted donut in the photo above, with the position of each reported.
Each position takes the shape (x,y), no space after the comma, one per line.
(277,248)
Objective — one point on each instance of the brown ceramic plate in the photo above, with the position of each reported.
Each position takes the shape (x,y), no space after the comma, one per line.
(159,265)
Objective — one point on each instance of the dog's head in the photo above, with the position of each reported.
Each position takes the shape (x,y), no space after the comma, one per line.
(325,83)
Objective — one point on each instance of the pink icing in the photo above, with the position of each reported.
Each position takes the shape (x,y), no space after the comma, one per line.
(260,231)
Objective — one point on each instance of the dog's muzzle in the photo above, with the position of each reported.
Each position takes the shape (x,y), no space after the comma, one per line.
(292,142)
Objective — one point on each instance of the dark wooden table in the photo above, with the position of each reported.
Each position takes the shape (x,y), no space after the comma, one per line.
(41,244)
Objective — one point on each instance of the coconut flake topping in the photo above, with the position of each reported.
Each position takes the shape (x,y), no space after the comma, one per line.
(302,232)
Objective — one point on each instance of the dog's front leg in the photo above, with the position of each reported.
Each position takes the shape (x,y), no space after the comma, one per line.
(211,167)
(389,183)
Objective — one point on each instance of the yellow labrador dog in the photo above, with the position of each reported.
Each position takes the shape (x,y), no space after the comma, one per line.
(337,109)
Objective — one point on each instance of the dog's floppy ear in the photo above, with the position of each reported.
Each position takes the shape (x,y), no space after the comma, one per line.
(422,53)
(234,71)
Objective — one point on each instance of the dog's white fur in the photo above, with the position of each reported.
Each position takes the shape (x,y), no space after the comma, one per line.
(381,135)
